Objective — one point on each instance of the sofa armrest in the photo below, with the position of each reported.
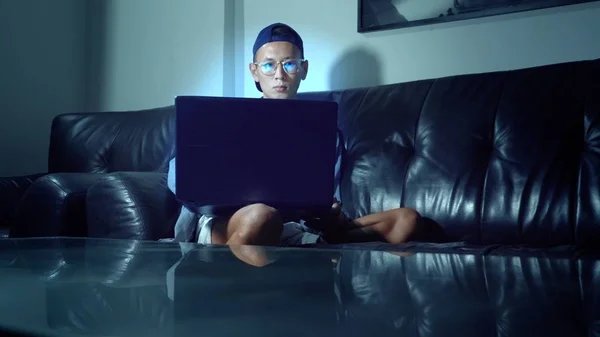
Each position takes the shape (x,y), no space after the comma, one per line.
(11,192)
(54,205)
(132,205)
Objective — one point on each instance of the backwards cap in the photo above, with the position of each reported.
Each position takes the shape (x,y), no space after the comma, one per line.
(270,34)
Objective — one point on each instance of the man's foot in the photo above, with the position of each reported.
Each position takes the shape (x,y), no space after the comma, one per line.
(393,226)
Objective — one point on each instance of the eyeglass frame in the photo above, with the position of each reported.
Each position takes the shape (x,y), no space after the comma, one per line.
(278,63)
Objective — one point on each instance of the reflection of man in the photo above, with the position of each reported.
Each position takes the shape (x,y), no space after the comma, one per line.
(277,69)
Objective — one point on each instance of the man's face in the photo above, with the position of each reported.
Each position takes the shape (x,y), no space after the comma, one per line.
(269,69)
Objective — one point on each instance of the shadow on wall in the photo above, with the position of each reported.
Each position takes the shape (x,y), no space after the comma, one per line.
(95,54)
(355,68)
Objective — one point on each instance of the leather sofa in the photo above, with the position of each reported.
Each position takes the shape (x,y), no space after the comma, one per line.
(505,157)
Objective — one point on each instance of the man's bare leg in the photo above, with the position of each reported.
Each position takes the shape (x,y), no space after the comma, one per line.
(256,224)
(394,226)
(251,226)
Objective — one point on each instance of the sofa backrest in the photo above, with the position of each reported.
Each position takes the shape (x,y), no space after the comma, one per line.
(503,157)
(112,141)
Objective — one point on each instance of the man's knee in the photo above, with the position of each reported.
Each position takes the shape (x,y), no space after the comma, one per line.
(258,220)
(408,216)
(403,225)
(256,214)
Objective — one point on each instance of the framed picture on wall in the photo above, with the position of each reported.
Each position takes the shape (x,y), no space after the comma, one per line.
(374,15)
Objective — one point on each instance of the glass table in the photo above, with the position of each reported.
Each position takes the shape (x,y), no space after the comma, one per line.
(95,287)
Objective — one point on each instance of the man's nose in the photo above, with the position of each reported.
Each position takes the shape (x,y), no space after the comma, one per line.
(279,72)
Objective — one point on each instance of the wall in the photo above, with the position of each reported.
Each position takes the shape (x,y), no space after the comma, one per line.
(149,51)
(341,58)
(74,55)
(42,74)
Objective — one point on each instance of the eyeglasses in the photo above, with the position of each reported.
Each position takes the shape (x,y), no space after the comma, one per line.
(290,66)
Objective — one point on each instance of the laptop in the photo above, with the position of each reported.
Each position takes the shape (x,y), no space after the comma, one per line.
(232,152)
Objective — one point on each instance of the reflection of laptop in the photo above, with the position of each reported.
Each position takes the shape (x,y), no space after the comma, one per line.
(216,294)
(232,152)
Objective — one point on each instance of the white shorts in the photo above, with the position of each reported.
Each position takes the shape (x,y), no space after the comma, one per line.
(294,233)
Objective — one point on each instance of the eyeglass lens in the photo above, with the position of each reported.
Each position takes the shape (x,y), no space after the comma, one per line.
(289,66)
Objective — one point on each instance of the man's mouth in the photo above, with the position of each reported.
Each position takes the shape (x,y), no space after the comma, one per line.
(280,88)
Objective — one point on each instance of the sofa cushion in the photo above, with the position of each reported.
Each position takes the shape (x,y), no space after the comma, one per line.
(131,205)
(54,205)
(12,190)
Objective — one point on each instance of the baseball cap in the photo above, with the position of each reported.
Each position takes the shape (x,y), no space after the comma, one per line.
(270,34)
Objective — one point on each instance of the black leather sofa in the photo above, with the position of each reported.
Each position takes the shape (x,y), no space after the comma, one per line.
(497,158)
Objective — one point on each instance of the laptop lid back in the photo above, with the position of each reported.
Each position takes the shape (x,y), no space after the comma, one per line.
(232,152)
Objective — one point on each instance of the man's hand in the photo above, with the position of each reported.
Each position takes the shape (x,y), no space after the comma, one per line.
(336,211)
(331,224)
(335,214)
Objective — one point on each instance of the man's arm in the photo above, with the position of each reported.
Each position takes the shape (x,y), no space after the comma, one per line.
(340,150)
(171,182)
(171,175)
(185,227)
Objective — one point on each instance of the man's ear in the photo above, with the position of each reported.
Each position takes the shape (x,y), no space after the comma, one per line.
(305,67)
(253,71)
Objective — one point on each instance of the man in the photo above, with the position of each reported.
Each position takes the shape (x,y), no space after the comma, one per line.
(278,68)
